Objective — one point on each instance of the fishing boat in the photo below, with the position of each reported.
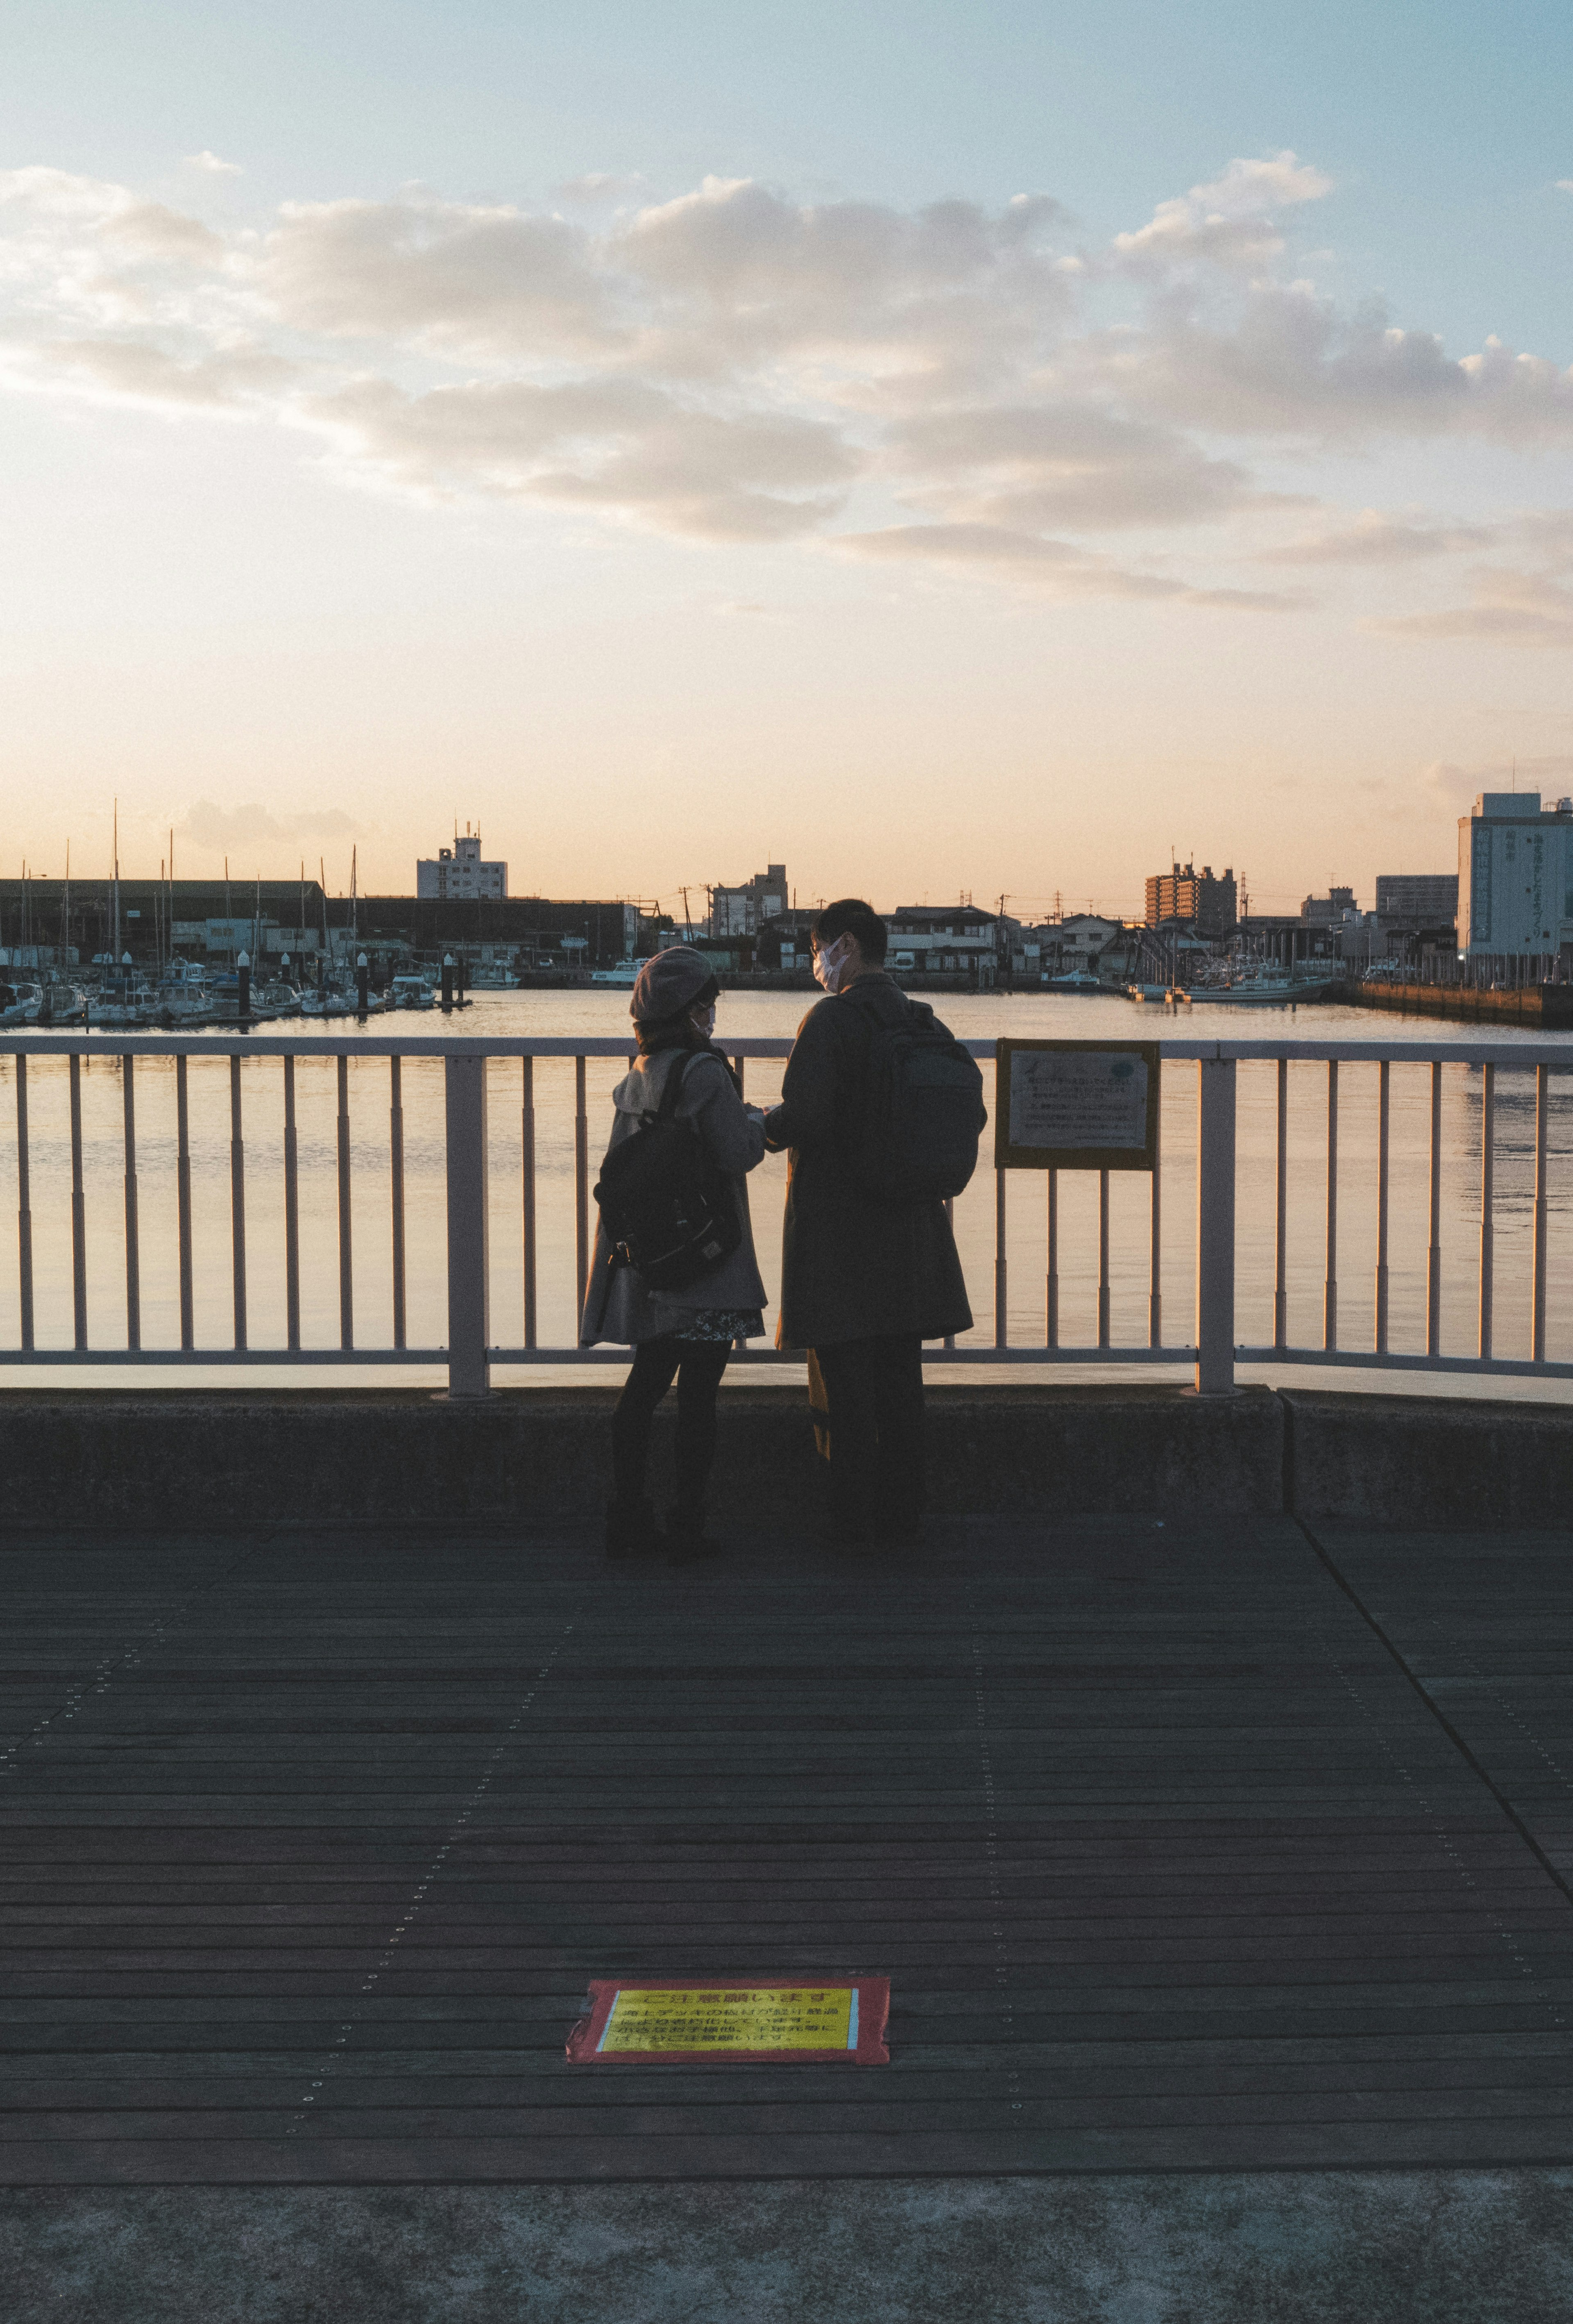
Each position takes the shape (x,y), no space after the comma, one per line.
(183,994)
(411,991)
(626,973)
(125,998)
(63,1003)
(1075,979)
(1263,988)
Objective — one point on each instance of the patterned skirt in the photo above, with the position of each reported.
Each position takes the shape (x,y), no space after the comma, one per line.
(717,1327)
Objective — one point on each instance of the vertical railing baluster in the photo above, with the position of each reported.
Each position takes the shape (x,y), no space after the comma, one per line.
(1215,1227)
(1488,1221)
(183,1203)
(1053,1287)
(1383,1093)
(396,1187)
(79,1214)
(1280,1217)
(346,1250)
(528,1150)
(1103,1259)
(1538,1295)
(1330,1273)
(469,1222)
(133,1248)
(581,1189)
(24,1210)
(1001,1281)
(291,1212)
(1155,1269)
(237,1200)
(1434,1253)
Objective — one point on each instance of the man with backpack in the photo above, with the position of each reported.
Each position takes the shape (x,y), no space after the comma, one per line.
(881,1109)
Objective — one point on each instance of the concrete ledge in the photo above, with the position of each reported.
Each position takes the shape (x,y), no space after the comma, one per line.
(539,1456)
(1318,2248)
(533,1456)
(1406,1461)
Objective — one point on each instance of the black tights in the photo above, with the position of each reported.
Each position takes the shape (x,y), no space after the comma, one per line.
(697,1365)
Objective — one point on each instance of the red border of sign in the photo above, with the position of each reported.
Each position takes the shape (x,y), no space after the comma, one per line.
(873,2017)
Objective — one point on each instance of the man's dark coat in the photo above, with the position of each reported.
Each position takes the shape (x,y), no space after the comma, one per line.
(852,1267)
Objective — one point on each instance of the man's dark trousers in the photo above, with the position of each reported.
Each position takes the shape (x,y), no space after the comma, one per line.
(874,1389)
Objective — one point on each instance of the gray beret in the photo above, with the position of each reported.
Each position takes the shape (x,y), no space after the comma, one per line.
(670,982)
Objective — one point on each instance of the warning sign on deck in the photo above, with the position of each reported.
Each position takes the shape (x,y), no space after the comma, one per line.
(840,2019)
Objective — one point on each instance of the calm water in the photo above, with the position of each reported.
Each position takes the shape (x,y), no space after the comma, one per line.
(765,1014)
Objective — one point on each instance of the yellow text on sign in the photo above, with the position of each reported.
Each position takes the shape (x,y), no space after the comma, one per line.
(780,2017)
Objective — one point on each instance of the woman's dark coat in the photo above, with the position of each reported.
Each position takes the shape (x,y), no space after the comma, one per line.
(852,1267)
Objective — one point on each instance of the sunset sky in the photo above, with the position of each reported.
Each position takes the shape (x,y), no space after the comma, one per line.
(941,447)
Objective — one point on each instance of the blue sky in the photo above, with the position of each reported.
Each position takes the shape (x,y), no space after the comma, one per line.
(1152,511)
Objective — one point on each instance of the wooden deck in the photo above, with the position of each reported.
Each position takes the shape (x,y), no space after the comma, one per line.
(1174,1859)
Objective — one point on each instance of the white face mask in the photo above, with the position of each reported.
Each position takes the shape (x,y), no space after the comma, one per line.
(832,962)
(705,1018)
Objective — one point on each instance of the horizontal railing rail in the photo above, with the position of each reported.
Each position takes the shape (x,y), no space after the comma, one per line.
(470,1350)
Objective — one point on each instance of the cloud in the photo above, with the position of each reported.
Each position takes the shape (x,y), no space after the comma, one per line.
(1378,536)
(217,830)
(1507,608)
(951,385)
(1057,567)
(213,165)
(1228,223)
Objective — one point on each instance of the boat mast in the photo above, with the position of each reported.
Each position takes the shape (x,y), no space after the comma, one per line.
(115,853)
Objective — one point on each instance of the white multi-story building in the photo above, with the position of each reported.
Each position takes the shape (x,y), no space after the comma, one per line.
(1515,874)
(744,911)
(458,871)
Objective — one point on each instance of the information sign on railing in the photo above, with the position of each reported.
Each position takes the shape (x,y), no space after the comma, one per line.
(1076,1105)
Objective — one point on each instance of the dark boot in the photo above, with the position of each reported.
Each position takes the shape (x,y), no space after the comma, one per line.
(632,1530)
(687,1542)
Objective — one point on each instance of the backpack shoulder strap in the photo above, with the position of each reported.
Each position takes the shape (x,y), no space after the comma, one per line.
(671,1093)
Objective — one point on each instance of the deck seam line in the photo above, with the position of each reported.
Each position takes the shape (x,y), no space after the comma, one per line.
(1443,1721)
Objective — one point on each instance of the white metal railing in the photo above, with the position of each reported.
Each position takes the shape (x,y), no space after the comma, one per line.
(471,1067)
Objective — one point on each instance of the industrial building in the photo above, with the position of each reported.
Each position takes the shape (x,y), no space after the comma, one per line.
(457,871)
(1515,876)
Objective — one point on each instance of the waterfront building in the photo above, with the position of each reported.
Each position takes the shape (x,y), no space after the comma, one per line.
(1185,897)
(1515,876)
(743,911)
(950,940)
(458,872)
(1420,900)
(1330,910)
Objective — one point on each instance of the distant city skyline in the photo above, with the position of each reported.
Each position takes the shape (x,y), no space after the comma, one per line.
(936,449)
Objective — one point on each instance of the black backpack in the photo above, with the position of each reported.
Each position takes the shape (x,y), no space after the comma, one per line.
(923,1110)
(666,1207)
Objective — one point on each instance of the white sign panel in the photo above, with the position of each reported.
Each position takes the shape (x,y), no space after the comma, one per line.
(1068,1099)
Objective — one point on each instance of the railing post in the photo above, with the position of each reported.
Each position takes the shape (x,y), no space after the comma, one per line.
(237,1200)
(1382,1117)
(1330,1276)
(1537,1292)
(1280,1219)
(183,1204)
(345,1216)
(1434,1250)
(1487,1204)
(291,1212)
(133,1249)
(468,1312)
(24,1210)
(1215,1227)
(79,1214)
(1002,1321)
(581,1192)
